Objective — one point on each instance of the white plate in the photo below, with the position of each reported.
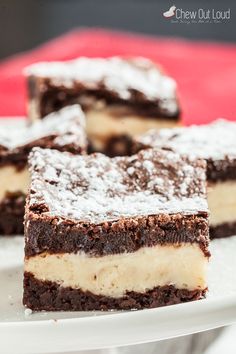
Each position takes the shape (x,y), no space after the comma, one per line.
(68,332)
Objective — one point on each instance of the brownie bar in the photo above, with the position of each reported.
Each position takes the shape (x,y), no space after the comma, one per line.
(215,143)
(63,131)
(52,100)
(115,229)
(121,97)
(66,134)
(50,296)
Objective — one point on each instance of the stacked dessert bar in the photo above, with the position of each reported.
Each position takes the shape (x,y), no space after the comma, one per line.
(216,143)
(121,97)
(101,233)
(112,233)
(115,233)
(63,130)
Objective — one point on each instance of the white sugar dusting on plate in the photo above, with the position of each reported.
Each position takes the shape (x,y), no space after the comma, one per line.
(28,312)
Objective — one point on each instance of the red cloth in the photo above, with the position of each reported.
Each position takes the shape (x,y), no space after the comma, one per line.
(205,72)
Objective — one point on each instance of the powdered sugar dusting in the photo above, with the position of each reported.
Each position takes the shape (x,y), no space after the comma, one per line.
(67,126)
(116,74)
(96,188)
(215,141)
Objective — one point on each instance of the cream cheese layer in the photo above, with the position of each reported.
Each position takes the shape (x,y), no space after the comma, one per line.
(183,266)
(222,202)
(13,180)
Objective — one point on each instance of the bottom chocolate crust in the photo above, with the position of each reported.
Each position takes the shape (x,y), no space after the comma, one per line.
(12,210)
(223,230)
(49,296)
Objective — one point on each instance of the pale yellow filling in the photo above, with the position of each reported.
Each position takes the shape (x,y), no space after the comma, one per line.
(183,266)
(101,125)
(33,110)
(222,202)
(13,180)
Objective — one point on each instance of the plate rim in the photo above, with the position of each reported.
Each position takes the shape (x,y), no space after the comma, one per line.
(131,327)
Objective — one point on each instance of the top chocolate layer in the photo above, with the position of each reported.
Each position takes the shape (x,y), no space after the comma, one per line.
(105,206)
(98,189)
(65,134)
(215,142)
(137,82)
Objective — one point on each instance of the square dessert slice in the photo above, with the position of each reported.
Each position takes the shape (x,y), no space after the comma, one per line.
(64,131)
(114,233)
(216,143)
(121,97)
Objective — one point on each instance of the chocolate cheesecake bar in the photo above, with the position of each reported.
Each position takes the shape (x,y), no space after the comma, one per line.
(64,131)
(114,233)
(121,97)
(216,143)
